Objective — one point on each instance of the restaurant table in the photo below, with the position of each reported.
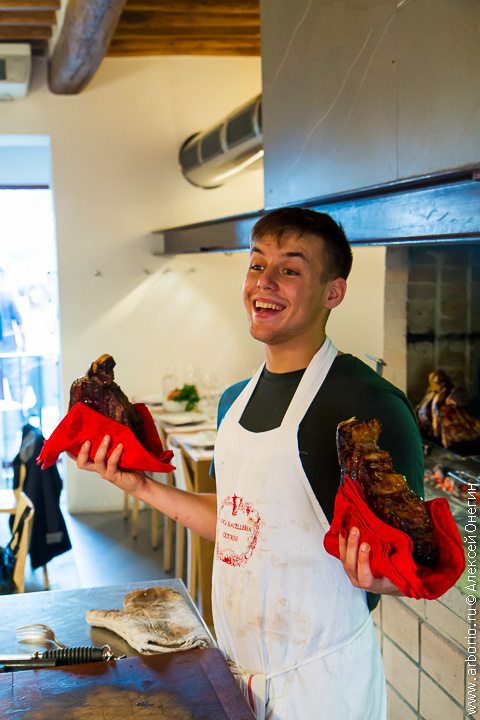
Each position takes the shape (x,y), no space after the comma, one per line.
(190,684)
(165,429)
(197,461)
(64,611)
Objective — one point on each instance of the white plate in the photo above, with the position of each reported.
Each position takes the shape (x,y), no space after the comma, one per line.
(150,399)
(186,418)
(204,439)
(172,406)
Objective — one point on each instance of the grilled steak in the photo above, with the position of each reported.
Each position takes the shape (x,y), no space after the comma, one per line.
(386,492)
(98,390)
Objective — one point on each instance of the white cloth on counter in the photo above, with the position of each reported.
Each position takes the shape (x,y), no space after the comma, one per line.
(154,620)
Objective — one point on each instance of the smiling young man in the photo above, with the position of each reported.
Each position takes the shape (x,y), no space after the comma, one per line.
(294,620)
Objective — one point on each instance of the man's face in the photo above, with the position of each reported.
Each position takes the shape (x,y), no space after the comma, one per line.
(284,291)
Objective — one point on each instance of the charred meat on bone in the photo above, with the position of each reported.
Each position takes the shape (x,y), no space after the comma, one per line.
(386,492)
(98,390)
(442,412)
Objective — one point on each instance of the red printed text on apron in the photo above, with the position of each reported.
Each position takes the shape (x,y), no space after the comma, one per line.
(238,529)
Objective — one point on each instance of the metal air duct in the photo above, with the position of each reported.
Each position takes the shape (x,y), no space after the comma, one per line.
(209,158)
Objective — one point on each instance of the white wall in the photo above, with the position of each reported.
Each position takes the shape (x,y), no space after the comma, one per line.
(357,326)
(116,179)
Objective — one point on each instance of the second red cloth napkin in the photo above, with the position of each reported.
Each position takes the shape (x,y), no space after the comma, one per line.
(391,549)
(82,423)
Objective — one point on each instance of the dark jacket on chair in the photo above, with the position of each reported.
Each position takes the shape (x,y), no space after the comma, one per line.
(43,487)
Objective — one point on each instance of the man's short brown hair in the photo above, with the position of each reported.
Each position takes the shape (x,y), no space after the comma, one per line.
(302,221)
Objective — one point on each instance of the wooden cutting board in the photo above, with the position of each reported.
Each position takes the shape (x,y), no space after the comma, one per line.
(189,685)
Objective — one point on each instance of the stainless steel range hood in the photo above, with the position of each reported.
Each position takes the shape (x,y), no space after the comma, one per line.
(369,113)
(436,208)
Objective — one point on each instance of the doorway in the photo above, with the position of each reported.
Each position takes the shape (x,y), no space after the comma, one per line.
(29,317)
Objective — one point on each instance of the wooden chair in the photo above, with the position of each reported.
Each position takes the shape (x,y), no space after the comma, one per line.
(183,482)
(155,517)
(178,475)
(23,541)
(18,492)
(168,523)
(135,516)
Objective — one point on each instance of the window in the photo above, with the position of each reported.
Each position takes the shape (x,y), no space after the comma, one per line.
(29,344)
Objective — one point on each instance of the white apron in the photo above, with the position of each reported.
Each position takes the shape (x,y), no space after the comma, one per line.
(297,631)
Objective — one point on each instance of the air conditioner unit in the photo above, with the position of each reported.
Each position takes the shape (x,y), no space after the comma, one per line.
(15,66)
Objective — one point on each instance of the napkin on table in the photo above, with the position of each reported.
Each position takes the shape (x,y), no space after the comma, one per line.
(154,620)
(391,549)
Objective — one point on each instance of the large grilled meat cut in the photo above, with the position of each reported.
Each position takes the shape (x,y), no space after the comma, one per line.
(386,492)
(442,412)
(439,385)
(455,423)
(98,390)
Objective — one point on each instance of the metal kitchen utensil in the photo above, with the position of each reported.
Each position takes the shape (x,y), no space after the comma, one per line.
(55,658)
(76,655)
(37,632)
(61,656)
(32,664)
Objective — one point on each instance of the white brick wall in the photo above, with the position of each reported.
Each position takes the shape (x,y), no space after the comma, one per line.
(423,646)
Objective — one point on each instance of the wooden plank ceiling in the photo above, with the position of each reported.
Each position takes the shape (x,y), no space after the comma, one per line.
(147,27)
(188,27)
(28,21)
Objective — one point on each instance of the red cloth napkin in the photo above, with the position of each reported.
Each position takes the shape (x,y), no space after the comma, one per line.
(391,549)
(82,423)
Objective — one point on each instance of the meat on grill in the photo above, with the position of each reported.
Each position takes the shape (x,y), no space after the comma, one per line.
(442,412)
(98,390)
(439,385)
(386,492)
(455,422)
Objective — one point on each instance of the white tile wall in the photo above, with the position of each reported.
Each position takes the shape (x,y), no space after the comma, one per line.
(401,671)
(443,660)
(435,704)
(454,600)
(397,709)
(423,646)
(402,625)
(444,619)
(417,606)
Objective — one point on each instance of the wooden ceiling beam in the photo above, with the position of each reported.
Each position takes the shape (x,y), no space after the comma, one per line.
(27,18)
(87,31)
(28,5)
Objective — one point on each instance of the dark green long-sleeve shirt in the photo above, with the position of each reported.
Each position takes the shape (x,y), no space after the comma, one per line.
(351,388)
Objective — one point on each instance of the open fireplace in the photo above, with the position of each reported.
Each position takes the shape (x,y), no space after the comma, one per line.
(432,322)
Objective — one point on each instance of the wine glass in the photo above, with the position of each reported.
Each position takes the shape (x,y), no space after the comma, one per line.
(210,393)
(169,381)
